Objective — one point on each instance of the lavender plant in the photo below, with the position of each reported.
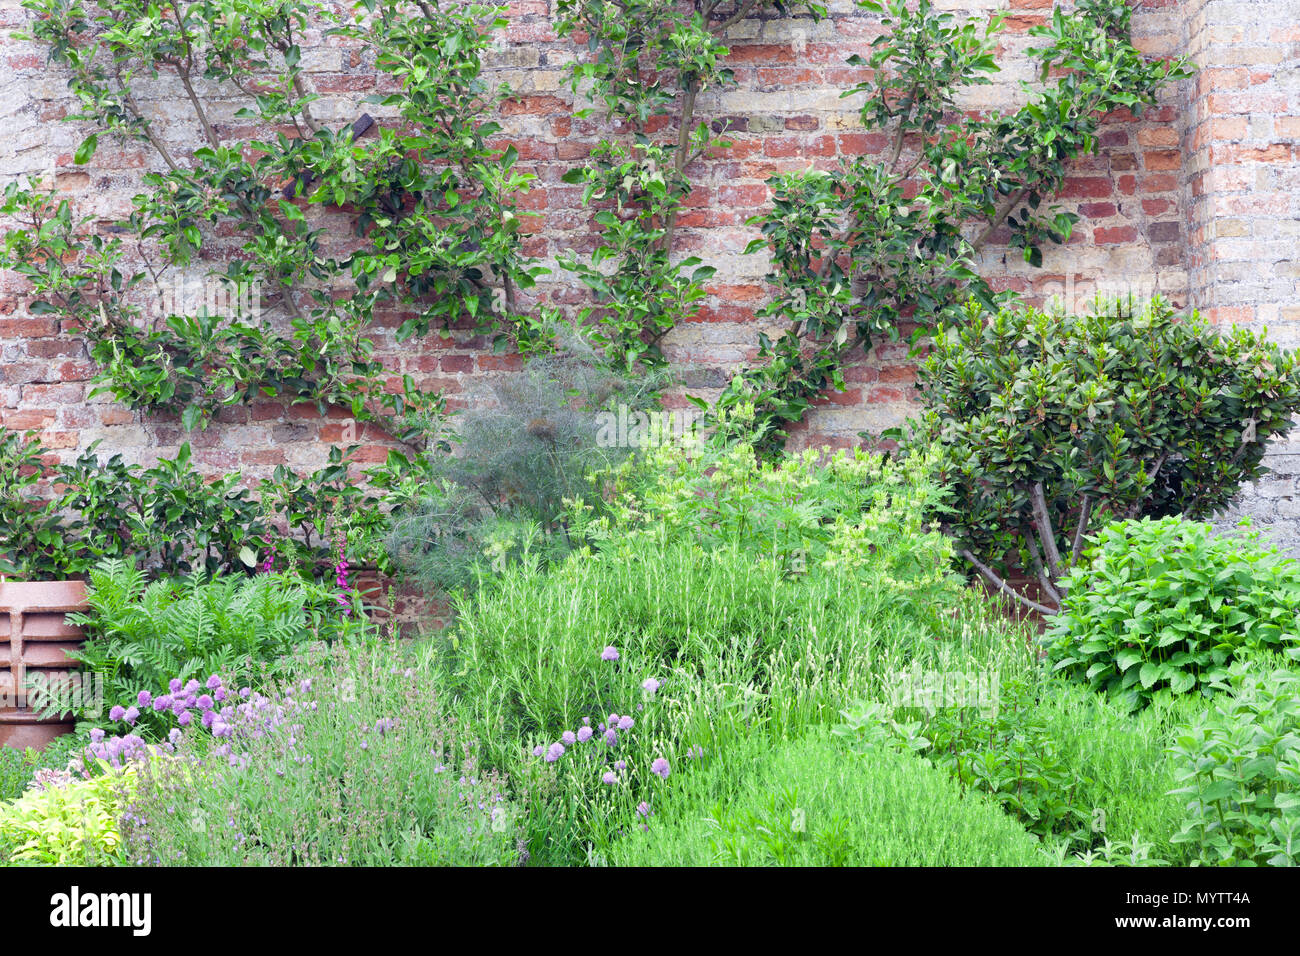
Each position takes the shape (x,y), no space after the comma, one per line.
(355,762)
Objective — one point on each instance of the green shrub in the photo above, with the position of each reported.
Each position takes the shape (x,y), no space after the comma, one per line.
(1239,766)
(171,520)
(32,540)
(355,761)
(798,509)
(1168,604)
(1004,750)
(1052,424)
(740,640)
(811,803)
(69,824)
(141,636)
(18,767)
(1074,768)
(1125,774)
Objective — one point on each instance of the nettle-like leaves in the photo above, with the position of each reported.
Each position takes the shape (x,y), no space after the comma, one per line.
(437,232)
(1053,424)
(893,238)
(1169,604)
(1239,767)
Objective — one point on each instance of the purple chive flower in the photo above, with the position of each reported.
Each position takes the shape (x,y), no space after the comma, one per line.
(174,685)
(117,713)
(191,686)
(584,734)
(554,753)
(184,719)
(660,768)
(643,809)
(209,716)
(144,698)
(132,715)
(538,750)
(214,682)
(609,654)
(625,723)
(162,703)
(650,685)
(204,702)
(609,778)
(568,738)
(220,695)
(620,764)
(96,734)
(611,737)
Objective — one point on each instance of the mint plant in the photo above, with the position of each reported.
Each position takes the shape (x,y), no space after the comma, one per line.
(1170,604)
(1240,770)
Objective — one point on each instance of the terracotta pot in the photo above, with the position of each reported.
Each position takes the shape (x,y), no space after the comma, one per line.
(34,642)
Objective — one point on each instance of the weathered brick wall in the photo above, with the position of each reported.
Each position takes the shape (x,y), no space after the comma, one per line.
(1242,169)
(1149,204)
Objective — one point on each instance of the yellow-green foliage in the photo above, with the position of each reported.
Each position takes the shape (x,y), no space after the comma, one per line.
(72,824)
(846,508)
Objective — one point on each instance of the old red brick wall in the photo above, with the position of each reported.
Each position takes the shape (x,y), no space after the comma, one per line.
(1151,205)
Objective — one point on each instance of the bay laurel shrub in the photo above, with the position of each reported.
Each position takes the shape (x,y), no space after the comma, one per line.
(811,803)
(1239,769)
(1053,424)
(1169,604)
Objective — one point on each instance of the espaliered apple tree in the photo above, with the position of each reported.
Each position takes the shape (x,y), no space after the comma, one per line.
(894,237)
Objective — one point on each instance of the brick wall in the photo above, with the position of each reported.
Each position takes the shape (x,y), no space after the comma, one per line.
(1159,207)
(1241,147)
